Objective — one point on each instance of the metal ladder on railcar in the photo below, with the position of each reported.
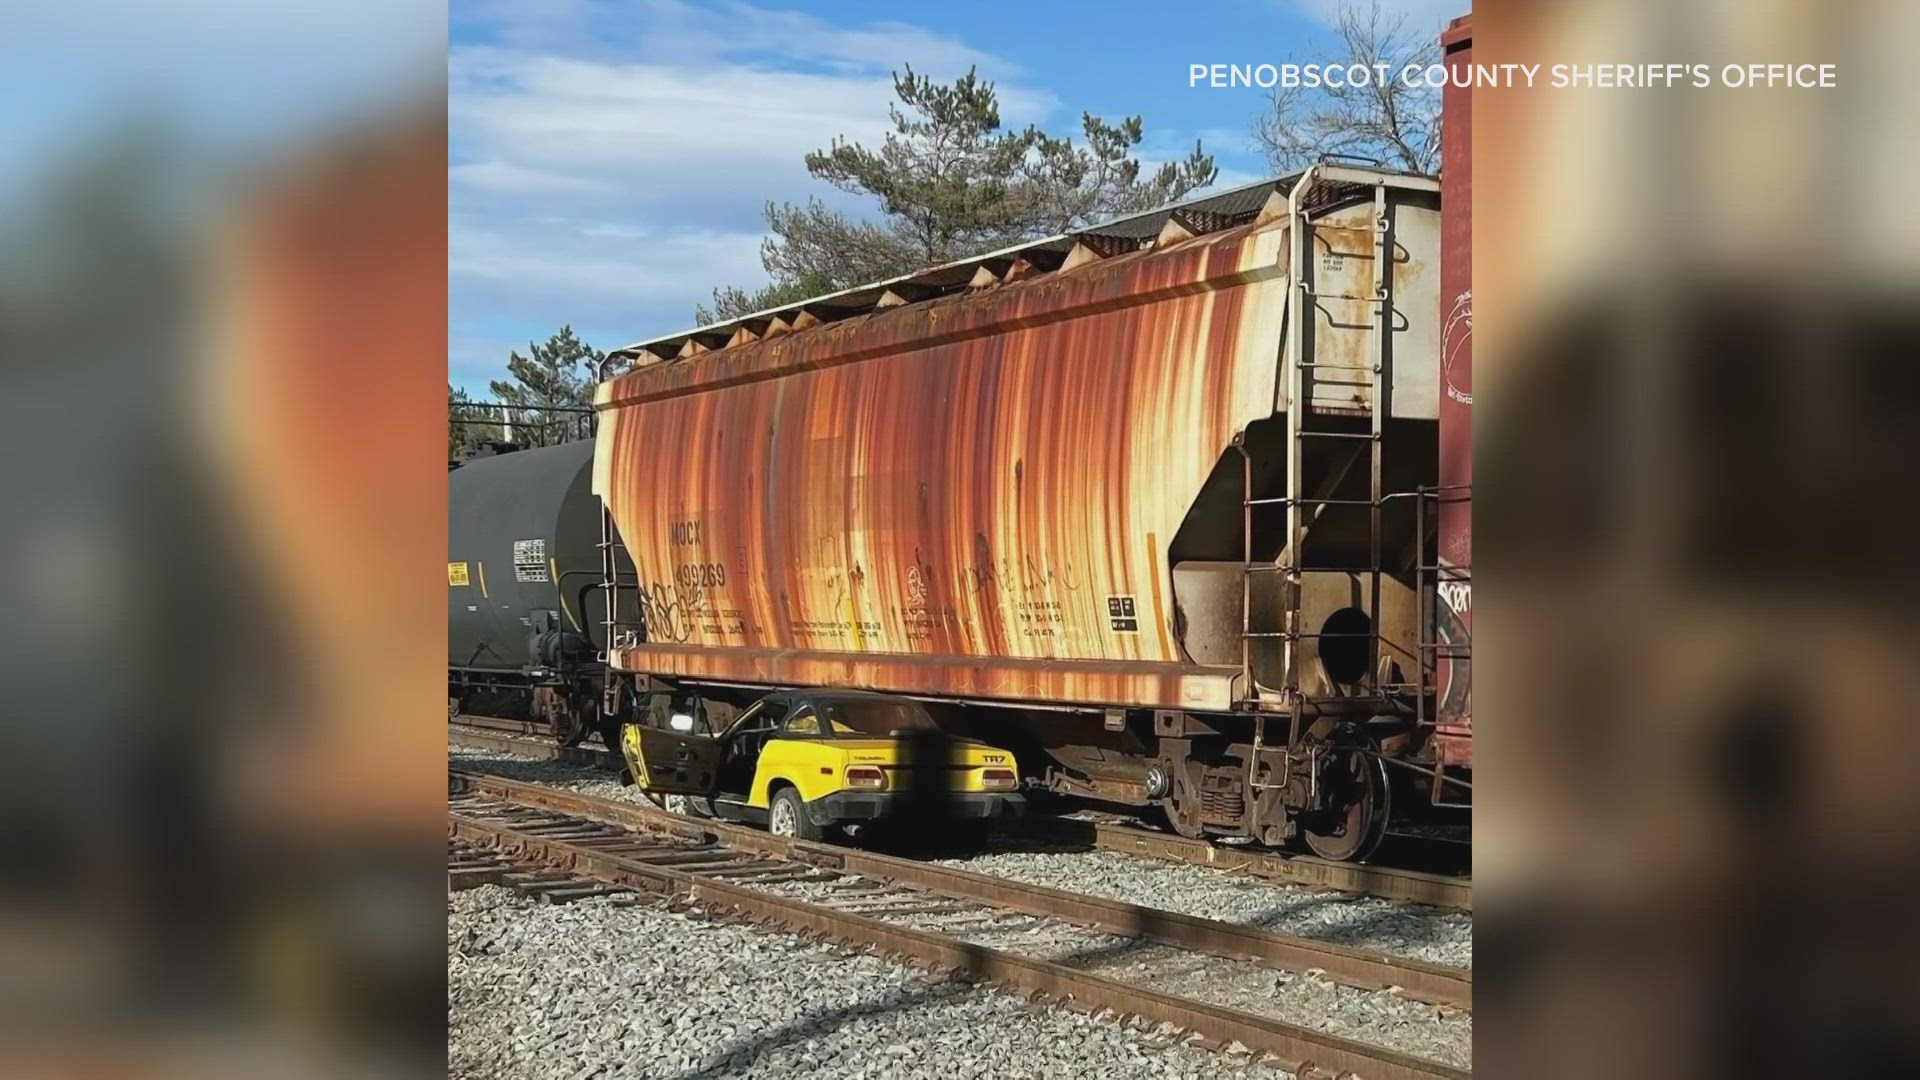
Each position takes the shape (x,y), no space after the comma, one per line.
(1302,508)
(611,583)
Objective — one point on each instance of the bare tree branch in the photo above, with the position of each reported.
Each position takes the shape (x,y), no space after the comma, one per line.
(1388,121)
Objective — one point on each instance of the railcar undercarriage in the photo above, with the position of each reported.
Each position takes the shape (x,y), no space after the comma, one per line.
(1334,789)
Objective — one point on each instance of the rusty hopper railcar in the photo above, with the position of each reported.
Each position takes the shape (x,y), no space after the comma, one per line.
(1142,497)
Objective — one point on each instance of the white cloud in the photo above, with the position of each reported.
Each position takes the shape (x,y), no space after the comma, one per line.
(497,176)
(670,31)
(593,267)
(530,124)
(608,162)
(641,133)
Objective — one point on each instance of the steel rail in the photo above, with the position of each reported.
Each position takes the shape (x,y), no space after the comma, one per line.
(1387,883)
(1298,1048)
(1435,983)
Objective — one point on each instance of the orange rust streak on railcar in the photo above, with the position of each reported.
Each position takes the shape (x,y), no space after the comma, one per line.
(943,497)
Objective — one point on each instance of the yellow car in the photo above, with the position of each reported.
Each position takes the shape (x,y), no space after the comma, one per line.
(802,761)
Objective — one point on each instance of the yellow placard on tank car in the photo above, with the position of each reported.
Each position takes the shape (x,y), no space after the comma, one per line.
(456,573)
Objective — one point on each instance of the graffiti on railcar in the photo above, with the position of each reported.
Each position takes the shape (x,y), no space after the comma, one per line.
(1456,366)
(1453,616)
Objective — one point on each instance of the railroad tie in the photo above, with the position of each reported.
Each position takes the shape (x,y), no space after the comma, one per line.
(781,874)
(460,878)
(528,884)
(639,852)
(835,894)
(719,868)
(749,873)
(597,841)
(577,836)
(580,891)
(682,855)
(931,908)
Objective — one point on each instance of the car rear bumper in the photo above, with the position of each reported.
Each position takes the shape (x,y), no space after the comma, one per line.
(845,806)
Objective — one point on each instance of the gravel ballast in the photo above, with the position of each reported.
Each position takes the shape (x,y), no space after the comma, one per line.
(1383,1019)
(598,989)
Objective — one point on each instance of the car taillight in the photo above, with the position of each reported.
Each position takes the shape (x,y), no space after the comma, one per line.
(998,779)
(866,776)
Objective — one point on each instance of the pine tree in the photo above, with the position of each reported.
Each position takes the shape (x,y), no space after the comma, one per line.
(462,419)
(559,374)
(952,183)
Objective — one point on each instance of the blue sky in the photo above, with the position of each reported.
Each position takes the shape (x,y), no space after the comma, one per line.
(608,159)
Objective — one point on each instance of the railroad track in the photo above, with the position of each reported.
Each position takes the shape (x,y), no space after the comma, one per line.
(964,924)
(1453,892)
(497,738)
(507,725)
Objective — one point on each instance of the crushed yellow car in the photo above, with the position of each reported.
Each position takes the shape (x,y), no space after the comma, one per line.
(803,761)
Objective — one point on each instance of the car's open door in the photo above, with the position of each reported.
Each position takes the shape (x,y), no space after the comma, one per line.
(672,760)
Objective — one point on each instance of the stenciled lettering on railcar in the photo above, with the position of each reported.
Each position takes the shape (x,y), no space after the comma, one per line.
(1040,618)
(1122,616)
(530,560)
(691,576)
(837,628)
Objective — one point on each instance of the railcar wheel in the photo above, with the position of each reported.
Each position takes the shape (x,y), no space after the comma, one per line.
(1183,814)
(1356,801)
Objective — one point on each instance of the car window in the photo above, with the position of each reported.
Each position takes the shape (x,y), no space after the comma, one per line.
(876,716)
(754,717)
(804,722)
(681,714)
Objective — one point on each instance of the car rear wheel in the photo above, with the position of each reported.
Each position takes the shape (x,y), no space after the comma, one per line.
(788,817)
